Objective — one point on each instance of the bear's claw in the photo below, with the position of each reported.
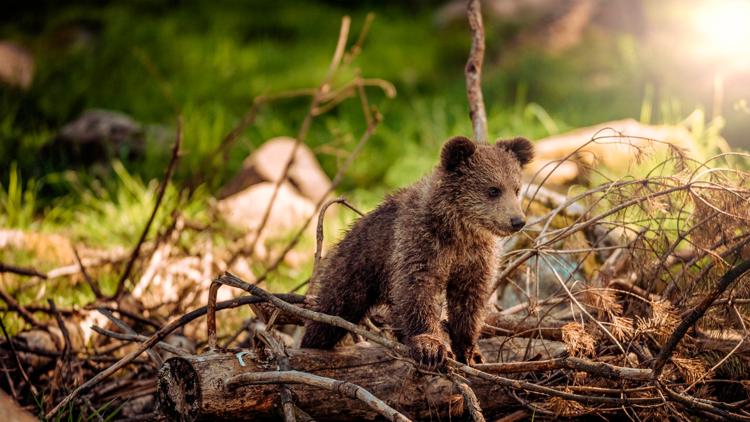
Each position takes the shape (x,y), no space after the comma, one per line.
(471,356)
(430,351)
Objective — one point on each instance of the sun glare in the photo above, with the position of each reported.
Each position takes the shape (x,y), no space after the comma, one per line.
(724,29)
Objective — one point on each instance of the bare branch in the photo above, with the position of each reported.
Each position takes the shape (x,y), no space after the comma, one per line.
(304,128)
(19,365)
(319,230)
(470,399)
(473,73)
(6,268)
(161,334)
(159,196)
(342,387)
(139,338)
(15,306)
(125,327)
(90,281)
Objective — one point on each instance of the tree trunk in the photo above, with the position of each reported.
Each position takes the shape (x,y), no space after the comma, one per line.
(193,387)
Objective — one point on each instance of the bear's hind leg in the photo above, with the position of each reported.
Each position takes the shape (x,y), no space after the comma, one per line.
(349,302)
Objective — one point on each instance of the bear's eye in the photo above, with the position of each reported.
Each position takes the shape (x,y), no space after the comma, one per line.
(517,190)
(494,192)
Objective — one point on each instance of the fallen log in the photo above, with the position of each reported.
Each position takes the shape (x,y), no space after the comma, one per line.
(206,387)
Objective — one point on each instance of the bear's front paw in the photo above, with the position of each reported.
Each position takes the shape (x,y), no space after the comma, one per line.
(430,351)
(471,356)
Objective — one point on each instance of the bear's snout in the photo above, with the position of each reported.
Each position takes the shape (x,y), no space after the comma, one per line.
(517,223)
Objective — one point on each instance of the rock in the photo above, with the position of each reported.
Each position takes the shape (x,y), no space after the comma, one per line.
(245,210)
(16,65)
(52,341)
(618,147)
(268,162)
(36,340)
(98,125)
(99,135)
(138,406)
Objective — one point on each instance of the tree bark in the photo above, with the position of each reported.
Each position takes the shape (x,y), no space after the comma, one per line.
(195,387)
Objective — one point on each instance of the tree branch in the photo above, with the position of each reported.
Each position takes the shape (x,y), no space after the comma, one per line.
(342,387)
(159,196)
(473,72)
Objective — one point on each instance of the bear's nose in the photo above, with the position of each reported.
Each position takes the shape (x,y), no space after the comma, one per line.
(517,223)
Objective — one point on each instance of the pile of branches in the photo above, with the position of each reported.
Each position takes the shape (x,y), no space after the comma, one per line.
(632,300)
(650,322)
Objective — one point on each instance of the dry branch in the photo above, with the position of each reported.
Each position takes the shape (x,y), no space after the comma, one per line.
(90,281)
(473,73)
(319,232)
(470,398)
(16,360)
(341,387)
(17,307)
(304,128)
(129,331)
(6,268)
(159,196)
(527,326)
(138,338)
(696,313)
(282,359)
(161,334)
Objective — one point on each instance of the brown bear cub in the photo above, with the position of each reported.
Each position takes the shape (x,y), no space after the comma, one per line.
(434,239)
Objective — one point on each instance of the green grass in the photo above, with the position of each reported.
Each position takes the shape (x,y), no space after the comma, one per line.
(18,201)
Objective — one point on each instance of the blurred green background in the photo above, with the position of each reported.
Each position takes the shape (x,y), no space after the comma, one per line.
(207,60)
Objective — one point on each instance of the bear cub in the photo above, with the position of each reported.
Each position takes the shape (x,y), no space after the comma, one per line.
(434,239)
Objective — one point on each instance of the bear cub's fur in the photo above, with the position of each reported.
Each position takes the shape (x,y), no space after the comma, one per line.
(434,238)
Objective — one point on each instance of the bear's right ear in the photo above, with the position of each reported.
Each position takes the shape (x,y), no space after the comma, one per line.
(455,151)
(521,147)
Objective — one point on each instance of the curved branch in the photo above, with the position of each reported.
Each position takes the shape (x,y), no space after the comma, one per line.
(342,387)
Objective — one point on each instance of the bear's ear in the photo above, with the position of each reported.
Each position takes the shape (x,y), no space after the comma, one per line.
(522,148)
(455,151)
